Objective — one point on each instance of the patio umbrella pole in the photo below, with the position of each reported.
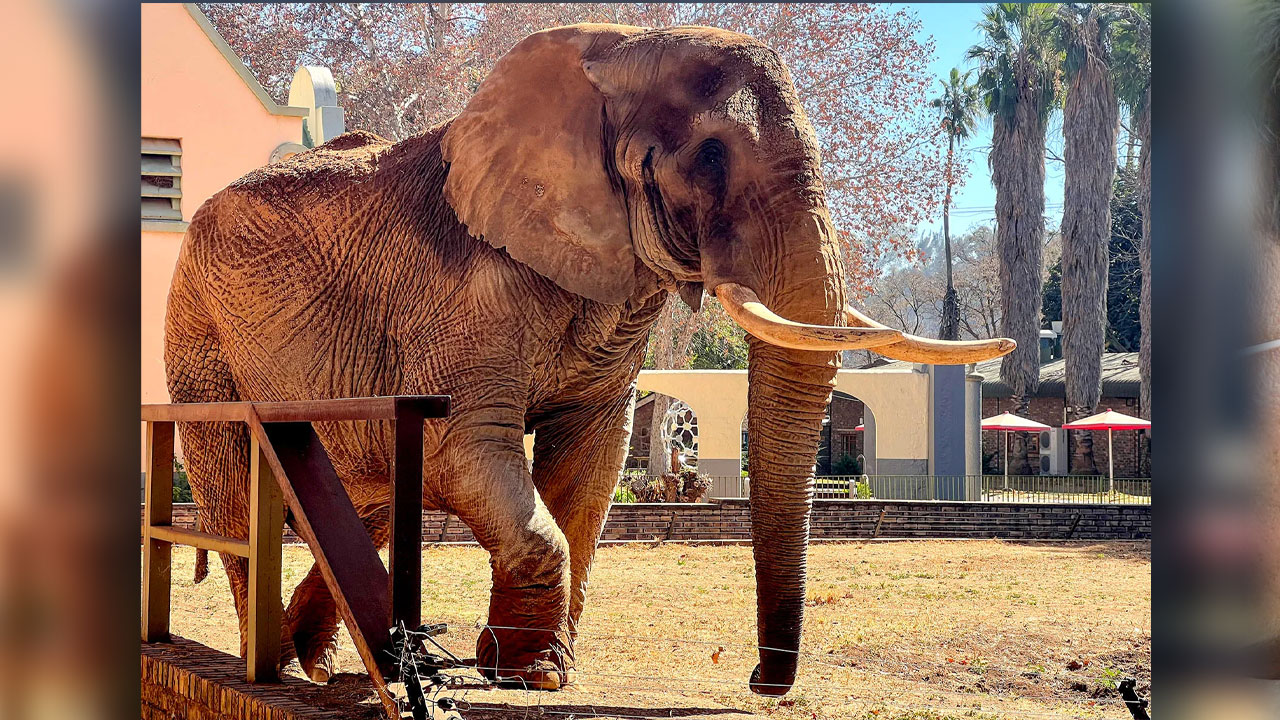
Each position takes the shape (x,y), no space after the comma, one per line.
(1111,466)
(1006,459)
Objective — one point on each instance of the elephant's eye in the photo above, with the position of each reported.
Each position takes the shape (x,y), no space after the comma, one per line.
(711,155)
(710,167)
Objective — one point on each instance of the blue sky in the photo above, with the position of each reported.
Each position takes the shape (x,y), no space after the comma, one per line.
(953,28)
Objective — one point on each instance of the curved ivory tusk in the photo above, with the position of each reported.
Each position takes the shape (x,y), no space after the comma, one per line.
(745,308)
(913,348)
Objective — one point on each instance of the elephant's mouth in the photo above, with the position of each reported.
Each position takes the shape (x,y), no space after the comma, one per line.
(746,309)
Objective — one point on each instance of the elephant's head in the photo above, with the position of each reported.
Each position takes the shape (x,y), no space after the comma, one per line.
(616,160)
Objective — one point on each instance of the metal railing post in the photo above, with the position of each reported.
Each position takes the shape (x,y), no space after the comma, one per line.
(404,555)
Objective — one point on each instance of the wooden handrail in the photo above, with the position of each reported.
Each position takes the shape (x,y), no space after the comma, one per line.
(289,468)
(204,540)
(334,410)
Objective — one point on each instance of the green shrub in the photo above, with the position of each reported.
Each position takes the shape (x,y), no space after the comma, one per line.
(862,489)
(623,494)
(846,465)
(181,486)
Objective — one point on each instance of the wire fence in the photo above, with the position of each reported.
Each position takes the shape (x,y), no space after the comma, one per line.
(1072,489)
(716,681)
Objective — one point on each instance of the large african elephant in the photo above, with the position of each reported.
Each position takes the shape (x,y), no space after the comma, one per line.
(515,258)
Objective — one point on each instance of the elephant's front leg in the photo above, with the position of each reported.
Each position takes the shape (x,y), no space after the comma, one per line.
(577,461)
(492,492)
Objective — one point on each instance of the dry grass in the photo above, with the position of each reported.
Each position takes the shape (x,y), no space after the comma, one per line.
(910,630)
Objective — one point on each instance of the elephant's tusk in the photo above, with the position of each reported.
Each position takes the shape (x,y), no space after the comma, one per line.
(745,308)
(913,348)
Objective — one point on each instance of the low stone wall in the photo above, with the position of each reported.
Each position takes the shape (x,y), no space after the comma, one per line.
(729,520)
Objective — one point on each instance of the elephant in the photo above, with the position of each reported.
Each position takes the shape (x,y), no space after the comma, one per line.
(515,257)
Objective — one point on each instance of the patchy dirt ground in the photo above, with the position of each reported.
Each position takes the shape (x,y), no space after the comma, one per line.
(895,630)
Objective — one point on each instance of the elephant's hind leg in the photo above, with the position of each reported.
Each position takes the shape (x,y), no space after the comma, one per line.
(311,620)
(216,454)
(217,461)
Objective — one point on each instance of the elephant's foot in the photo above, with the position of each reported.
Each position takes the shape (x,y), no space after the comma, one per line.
(323,669)
(524,660)
(318,658)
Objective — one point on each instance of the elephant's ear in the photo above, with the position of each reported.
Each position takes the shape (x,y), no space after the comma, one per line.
(527,166)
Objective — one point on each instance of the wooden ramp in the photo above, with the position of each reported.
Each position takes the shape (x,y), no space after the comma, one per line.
(290,468)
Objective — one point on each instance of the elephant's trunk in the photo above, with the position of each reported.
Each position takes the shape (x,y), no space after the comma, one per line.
(787,397)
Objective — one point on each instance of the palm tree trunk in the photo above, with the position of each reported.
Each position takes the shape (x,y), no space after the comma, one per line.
(1144,256)
(950,328)
(658,447)
(1090,122)
(1144,259)
(1017,171)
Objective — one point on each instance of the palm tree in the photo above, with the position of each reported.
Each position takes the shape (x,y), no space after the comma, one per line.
(959,106)
(1132,55)
(1018,66)
(1090,123)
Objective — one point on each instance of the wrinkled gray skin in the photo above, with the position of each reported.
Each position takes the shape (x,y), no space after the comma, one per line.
(352,270)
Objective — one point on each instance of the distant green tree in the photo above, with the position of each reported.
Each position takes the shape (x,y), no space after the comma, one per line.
(846,465)
(1133,86)
(1051,307)
(1124,271)
(722,348)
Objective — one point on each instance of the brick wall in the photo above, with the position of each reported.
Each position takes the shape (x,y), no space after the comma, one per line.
(1133,451)
(854,519)
(846,415)
(839,520)
(638,446)
(184,679)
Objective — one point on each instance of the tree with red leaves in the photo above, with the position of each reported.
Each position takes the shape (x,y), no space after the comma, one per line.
(860,70)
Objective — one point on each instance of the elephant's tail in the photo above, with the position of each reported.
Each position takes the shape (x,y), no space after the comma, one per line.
(202,565)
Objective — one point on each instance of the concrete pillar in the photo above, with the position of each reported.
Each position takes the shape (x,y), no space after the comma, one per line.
(973,427)
(719,440)
(947,429)
(869,466)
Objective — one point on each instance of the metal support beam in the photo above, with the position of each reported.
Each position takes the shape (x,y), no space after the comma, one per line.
(404,556)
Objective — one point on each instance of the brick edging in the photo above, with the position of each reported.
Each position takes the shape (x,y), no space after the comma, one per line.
(729,520)
(184,679)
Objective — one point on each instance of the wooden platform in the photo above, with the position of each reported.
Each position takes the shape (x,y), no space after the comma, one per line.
(186,680)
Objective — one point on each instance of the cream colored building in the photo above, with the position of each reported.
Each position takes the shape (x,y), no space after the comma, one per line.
(899,404)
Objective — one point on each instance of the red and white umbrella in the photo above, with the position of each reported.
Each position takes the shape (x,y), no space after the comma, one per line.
(860,428)
(1109,421)
(1008,422)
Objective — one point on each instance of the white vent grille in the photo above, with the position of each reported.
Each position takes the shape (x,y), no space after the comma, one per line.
(162,181)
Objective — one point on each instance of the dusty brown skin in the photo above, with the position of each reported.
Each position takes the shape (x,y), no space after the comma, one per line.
(515,258)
